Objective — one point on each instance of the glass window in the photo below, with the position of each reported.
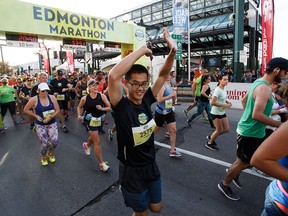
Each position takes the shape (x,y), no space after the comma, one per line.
(195,5)
(167,13)
(167,4)
(146,18)
(146,10)
(136,13)
(157,7)
(157,15)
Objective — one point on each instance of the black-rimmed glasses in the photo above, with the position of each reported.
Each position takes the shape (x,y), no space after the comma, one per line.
(136,85)
(45,91)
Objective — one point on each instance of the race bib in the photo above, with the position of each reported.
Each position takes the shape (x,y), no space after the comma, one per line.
(168,103)
(61,97)
(84,92)
(47,114)
(142,133)
(95,122)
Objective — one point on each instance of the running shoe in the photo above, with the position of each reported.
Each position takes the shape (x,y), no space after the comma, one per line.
(2,131)
(189,122)
(167,134)
(86,148)
(236,181)
(51,157)
(16,123)
(103,166)
(110,135)
(185,113)
(44,161)
(212,146)
(227,191)
(208,139)
(205,120)
(64,128)
(175,153)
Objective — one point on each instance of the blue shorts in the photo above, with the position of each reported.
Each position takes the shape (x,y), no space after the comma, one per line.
(140,202)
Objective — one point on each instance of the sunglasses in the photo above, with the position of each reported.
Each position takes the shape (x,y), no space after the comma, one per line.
(45,91)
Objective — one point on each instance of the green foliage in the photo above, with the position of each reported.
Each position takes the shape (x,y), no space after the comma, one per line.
(5,68)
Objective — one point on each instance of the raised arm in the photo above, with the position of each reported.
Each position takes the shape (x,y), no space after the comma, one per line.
(167,66)
(121,68)
(267,156)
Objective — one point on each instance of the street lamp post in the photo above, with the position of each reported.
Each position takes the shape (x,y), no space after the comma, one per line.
(238,37)
(238,43)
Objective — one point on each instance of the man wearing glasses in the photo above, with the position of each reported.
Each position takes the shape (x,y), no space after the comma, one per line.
(138,172)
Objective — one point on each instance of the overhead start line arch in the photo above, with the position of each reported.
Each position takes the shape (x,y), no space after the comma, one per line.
(52,23)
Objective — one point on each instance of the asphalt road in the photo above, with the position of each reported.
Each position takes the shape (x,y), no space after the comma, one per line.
(74,185)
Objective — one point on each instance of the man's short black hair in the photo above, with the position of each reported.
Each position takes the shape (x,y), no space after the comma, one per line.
(138,69)
(277,62)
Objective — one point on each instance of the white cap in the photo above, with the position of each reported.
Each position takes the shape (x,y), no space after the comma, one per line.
(43,86)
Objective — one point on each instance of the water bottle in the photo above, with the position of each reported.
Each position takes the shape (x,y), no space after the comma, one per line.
(88,117)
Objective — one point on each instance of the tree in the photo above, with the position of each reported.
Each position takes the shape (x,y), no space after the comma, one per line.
(5,68)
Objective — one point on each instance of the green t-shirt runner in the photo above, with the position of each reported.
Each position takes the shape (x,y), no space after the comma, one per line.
(6,94)
(247,126)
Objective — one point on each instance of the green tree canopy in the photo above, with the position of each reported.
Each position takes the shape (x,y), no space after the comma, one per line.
(5,68)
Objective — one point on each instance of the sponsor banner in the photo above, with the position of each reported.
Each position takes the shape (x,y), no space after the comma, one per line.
(180,16)
(235,92)
(45,57)
(267,11)
(70,61)
(11,43)
(73,47)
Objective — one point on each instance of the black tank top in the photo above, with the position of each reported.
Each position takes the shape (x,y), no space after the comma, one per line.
(90,105)
(203,98)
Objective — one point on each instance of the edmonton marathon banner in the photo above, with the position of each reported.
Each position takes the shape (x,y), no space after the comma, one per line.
(22,17)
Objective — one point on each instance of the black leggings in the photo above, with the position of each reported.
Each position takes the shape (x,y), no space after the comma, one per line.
(11,106)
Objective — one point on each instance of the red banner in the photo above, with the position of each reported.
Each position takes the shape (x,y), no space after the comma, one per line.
(45,57)
(70,61)
(267,11)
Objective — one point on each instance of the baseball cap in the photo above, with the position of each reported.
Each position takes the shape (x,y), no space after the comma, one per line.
(59,72)
(43,86)
(4,80)
(92,82)
(279,62)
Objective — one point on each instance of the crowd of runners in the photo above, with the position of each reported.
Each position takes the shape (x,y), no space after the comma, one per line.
(127,93)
